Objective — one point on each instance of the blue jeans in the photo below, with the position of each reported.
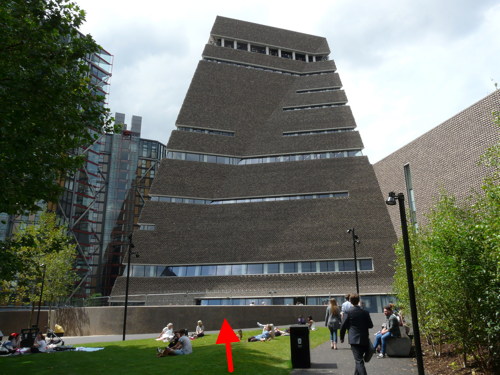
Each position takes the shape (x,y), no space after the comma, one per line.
(381,339)
(333,334)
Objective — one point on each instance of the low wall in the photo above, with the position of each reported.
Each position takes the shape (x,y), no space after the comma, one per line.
(15,320)
(86,321)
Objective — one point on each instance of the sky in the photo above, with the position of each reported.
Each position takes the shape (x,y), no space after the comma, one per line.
(406,65)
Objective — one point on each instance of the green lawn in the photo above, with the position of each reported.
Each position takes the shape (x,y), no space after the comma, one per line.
(139,357)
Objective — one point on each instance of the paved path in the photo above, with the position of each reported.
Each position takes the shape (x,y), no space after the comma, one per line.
(324,360)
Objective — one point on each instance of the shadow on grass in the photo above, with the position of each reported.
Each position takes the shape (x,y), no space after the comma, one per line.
(139,356)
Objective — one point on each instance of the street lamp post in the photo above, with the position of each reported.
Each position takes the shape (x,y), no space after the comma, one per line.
(391,200)
(355,240)
(130,252)
(41,295)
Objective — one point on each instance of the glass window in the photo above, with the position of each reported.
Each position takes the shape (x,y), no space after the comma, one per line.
(290,267)
(346,265)
(191,271)
(327,266)
(365,264)
(192,157)
(300,56)
(208,270)
(286,54)
(223,270)
(258,49)
(273,52)
(273,268)
(167,271)
(150,271)
(242,46)
(228,43)
(160,270)
(308,266)
(237,269)
(255,269)
(211,159)
(137,271)
(179,271)
(238,301)
(178,155)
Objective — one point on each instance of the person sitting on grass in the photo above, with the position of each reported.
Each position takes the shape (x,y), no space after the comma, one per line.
(39,345)
(167,334)
(200,331)
(267,335)
(182,347)
(12,343)
(311,323)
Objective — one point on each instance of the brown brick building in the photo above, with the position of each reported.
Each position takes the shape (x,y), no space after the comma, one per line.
(445,158)
(263,177)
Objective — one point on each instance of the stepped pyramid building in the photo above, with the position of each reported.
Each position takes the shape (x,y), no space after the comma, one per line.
(263,177)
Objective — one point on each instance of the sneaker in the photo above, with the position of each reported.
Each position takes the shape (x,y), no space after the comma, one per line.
(381,355)
(159,350)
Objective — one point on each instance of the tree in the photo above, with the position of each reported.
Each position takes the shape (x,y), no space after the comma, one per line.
(48,105)
(43,251)
(456,260)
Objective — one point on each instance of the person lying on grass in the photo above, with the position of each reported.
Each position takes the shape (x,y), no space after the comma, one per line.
(182,347)
(267,335)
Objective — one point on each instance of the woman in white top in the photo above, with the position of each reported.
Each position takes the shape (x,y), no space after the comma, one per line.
(200,330)
(167,334)
(40,345)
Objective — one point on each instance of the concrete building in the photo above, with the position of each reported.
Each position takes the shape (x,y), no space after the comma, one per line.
(445,158)
(263,177)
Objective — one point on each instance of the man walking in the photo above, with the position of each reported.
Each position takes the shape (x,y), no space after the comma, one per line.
(358,322)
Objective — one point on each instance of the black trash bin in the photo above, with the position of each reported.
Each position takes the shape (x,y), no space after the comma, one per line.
(299,345)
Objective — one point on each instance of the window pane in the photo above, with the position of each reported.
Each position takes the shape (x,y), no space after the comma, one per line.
(137,271)
(179,271)
(160,270)
(190,270)
(290,267)
(242,46)
(193,157)
(346,265)
(273,268)
(223,270)
(167,271)
(308,266)
(237,269)
(208,270)
(255,269)
(328,266)
(365,265)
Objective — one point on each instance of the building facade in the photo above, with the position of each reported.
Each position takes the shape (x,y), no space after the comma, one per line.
(263,177)
(445,159)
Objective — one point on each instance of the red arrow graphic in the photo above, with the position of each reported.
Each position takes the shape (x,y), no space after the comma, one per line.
(227,336)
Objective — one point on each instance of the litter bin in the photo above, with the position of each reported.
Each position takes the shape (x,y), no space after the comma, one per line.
(299,345)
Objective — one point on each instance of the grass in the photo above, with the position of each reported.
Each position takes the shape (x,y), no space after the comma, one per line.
(139,357)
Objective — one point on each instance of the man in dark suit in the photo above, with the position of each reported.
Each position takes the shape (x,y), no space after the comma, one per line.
(358,322)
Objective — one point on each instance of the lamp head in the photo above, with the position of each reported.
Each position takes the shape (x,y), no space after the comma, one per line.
(349,230)
(391,199)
